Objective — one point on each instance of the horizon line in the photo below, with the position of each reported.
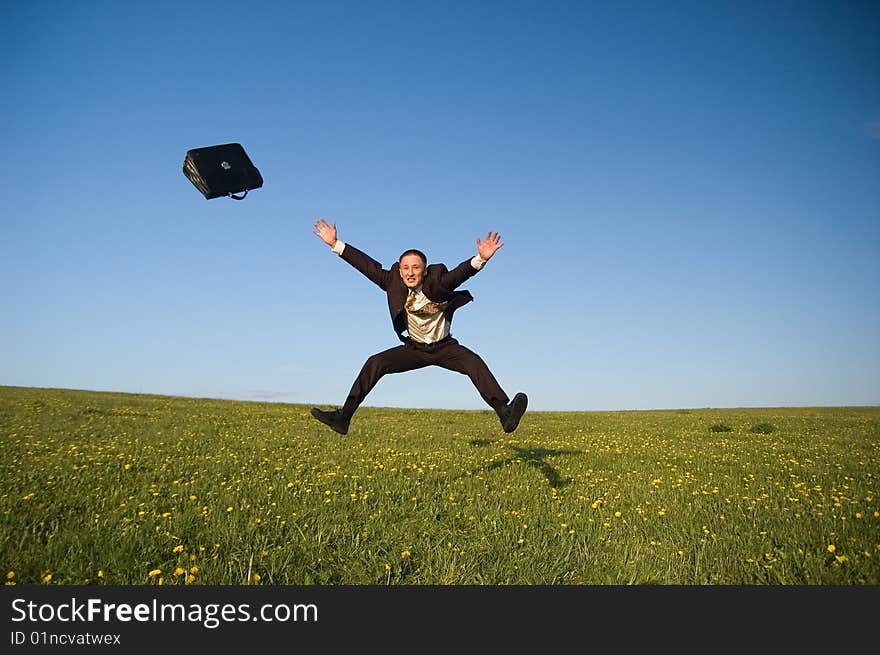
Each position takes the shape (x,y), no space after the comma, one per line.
(444,409)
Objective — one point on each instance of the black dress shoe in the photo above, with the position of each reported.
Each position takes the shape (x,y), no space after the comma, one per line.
(335,419)
(511,414)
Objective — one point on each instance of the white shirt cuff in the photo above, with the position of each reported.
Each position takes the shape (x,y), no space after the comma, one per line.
(477,262)
(338,247)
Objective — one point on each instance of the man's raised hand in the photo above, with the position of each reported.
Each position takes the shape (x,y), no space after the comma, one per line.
(488,247)
(325,232)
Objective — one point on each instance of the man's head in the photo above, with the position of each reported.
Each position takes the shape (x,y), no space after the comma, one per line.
(412,267)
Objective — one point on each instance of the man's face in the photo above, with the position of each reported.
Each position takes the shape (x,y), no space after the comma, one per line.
(412,270)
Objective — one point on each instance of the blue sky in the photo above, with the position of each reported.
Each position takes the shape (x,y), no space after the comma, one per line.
(687,191)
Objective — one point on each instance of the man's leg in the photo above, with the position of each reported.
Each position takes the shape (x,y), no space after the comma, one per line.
(456,357)
(394,360)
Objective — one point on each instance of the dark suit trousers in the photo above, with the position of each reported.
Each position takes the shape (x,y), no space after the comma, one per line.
(448,354)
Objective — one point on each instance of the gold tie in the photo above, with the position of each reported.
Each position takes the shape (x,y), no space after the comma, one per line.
(428,309)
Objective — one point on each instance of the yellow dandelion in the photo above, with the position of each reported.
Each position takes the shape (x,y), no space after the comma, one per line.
(194,569)
(831,548)
(47,577)
(229,509)
(154,573)
(100,573)
(179,571)
(177,549)
(193,497)
(10,575)
(840,558)
(387,567)
(255,577)
(404,554)
(190,579)
(617,515)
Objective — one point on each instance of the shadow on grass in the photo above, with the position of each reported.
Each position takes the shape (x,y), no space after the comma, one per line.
(532,457)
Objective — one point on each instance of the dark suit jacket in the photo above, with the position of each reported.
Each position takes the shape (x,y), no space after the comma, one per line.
(439,284)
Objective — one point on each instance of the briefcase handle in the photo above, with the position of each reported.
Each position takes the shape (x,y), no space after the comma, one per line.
(235,197)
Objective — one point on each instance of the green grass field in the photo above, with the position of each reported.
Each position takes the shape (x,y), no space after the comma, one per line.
(123,489)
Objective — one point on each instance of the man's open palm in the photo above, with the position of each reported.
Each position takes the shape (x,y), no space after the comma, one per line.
(325,232)
(488,247)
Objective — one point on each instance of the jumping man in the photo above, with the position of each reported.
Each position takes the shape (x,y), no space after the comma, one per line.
(422,300)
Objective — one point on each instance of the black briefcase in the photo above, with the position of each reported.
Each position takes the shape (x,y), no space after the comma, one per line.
(223,170)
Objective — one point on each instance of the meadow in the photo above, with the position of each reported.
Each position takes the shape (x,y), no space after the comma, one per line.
(124,489)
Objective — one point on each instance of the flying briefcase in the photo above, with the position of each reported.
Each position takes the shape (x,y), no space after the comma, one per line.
(223,170)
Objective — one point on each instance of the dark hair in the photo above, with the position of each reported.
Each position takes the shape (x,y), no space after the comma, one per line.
(413,251)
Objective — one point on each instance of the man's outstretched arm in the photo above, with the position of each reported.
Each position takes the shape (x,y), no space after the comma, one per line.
(361,261)
(470,267)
